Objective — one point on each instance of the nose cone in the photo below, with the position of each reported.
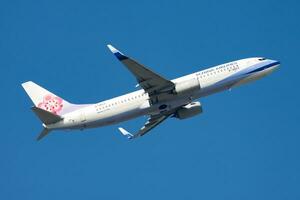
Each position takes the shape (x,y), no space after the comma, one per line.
(275,63)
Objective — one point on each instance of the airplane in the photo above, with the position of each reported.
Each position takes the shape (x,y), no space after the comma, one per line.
(158,98)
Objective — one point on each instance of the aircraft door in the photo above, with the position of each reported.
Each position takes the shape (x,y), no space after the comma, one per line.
(199,81)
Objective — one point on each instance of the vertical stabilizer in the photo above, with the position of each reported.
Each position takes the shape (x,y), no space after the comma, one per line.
(48,101)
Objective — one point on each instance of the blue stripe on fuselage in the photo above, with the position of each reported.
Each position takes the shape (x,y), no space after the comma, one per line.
(232,79)
(264,67)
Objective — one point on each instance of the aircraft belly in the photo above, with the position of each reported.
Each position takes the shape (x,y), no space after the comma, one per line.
(253,77)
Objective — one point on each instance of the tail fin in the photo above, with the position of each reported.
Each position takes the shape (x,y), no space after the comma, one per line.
(46,100)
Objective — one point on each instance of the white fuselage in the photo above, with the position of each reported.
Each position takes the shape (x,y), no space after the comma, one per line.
(188,88)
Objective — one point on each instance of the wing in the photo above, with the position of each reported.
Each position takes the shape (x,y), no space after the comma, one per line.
(150,81)
(152,122)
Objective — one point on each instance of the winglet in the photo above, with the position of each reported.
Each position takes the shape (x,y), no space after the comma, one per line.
(125,133)
(117,53)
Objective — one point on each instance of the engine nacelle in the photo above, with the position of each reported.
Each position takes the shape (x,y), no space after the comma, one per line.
(187,87)
(189,110)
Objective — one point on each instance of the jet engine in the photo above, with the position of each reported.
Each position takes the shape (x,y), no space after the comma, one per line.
(189,110)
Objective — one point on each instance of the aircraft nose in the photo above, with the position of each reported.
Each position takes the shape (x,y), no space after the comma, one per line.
(275,63)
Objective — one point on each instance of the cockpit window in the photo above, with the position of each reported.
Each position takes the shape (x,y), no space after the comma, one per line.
(261,59)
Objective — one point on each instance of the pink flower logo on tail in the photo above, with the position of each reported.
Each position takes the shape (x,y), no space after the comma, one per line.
(51,103)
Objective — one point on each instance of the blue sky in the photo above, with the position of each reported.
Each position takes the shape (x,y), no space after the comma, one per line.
(244,146)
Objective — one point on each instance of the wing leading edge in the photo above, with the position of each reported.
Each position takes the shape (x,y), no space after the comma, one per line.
(152,122)
(150,81)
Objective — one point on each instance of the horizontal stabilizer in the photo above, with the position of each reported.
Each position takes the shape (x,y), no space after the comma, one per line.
(43,134)
(45,116)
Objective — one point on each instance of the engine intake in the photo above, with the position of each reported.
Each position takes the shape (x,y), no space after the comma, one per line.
(189,110)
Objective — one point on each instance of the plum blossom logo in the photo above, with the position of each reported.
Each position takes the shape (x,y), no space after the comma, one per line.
(51,103)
